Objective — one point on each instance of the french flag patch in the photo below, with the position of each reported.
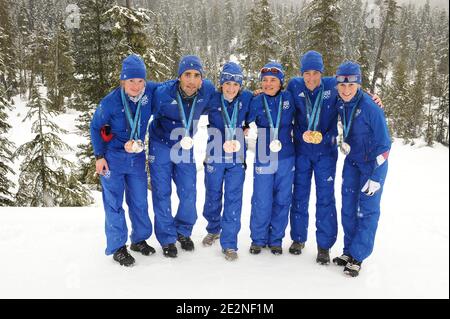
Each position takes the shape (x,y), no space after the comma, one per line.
(382,158)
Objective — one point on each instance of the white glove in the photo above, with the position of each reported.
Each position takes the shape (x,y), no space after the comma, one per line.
(371,187)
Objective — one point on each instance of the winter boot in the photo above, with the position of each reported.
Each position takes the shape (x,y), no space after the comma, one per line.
(186,242)
(170,251)
(230,254)
(255,249)
(323,256)
(210,239)
(352,268)
(144,248)
(296,248)
(123,257)
(276,250)
(342,260)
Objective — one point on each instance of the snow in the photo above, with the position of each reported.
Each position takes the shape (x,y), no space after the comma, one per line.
(59,252)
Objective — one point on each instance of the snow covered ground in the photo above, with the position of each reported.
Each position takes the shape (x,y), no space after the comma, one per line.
(59,252)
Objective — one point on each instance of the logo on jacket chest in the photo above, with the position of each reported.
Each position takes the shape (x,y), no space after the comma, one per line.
(144,100)
(286,105)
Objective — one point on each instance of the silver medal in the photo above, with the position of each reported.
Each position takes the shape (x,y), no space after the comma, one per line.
(187,143)
(275,146)
(138,146)
(345,148)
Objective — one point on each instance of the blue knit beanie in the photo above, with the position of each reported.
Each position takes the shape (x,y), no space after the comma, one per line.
(133,67)
(190,62)
(349,68)
(312,61)
(231,72)
(278,72)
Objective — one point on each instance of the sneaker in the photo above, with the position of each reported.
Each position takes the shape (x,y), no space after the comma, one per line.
(323,256)
(255,249)
(144,248)
(170,251)
(210,239)
(342,260)
(296,248)
(230,254)
(186,242)
(276,250)
(352,268)
(123,257)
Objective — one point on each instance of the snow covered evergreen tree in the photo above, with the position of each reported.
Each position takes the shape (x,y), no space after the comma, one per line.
(324,32)
(59,70)
(8,66)
(6,152)
(260,43)
(43,180)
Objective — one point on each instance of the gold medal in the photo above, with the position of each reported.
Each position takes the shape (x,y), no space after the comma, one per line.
(316,137)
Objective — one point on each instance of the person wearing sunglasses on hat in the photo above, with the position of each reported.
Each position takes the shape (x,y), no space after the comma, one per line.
(366,145)
(118,129)
(273,113)
(178,105)
(315,133)
(225,162)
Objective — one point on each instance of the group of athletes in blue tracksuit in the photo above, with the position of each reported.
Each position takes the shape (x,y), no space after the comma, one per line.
(296,138)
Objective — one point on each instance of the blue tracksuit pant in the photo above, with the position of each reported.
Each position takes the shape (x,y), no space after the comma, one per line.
(127,175)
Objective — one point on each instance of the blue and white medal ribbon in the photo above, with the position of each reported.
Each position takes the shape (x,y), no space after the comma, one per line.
(231,144)
(186,142)
(134,144)
(345,147)
(275,145)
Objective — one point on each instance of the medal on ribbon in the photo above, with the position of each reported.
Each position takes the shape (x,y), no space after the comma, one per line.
(134,144)
(275,145)
(186,142)
(231,145)
(345,147)
(312,135)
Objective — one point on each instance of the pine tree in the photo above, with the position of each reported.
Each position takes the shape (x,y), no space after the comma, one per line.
(157,57)
(8,67)
(175,52)
(324,32)
(398,101)
(95,64)
(388,23)
(228,26)
(59,70)
(6,152)
(289,58)
(363,61)
(259,43)
(128,25)
(42,180)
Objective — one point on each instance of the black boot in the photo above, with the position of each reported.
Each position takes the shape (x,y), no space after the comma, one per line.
(186,242)
(170,251)
(352,268)
(255,249)
(143,248)
(296,248)
(276,250)
(123,257)
(342,260)
(323,256)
